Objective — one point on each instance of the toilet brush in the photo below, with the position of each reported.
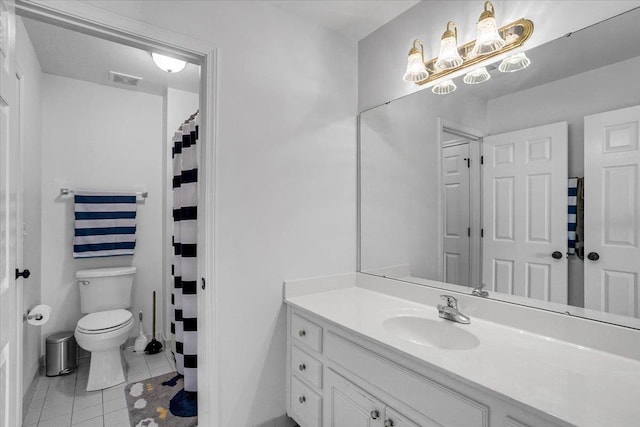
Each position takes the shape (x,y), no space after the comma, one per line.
(154,346)
(141,341)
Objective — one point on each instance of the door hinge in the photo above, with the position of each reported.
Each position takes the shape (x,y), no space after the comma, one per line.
(204,284)
(482,160)
(468,162)
(482,232)
(468,232)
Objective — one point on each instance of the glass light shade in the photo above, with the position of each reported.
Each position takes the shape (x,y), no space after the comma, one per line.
(514,63)
(449,56)
(479,75)
(416,70)
(168,64)
(444,87)
(488,39)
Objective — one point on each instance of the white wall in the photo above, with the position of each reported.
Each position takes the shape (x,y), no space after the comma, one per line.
(382,56)
(98,137)
(31,174)
(178,106)
(570,99)
(286,177)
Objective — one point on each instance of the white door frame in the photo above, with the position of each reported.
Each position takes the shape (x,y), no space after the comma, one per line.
(84,18)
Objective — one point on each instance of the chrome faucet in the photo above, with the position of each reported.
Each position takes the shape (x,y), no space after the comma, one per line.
(478,292)
(450,311)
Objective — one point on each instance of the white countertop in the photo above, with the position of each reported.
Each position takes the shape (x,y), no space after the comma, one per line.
(578,385)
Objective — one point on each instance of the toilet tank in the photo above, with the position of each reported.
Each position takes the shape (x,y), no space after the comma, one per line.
(104,289)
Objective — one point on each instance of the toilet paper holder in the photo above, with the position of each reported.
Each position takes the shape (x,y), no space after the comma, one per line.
(37,316)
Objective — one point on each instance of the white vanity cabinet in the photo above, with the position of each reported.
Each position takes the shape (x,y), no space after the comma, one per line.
(337,378)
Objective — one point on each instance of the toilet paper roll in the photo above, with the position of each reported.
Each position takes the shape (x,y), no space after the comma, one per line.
(39,315)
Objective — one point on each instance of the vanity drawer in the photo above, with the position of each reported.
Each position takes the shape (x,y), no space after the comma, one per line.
(306,332)
(431,399)
(306,367)
(306,405)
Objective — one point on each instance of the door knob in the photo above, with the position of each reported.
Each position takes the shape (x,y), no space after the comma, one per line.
(24,273)
(593,256)
(556,255)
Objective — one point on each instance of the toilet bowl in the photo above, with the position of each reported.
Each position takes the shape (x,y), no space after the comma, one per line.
(102,334)
(105,294)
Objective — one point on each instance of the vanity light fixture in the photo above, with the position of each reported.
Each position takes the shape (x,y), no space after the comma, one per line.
(492,42)
(449,56)
(168,64)
(416,70)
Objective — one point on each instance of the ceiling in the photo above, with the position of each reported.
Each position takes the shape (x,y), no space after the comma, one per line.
(79,56)
(353,19)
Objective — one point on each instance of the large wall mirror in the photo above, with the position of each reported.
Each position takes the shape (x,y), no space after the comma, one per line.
(528,183)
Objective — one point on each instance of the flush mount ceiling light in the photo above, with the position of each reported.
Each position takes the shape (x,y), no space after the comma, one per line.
(168,64)
(416,70)
(449,56)
(492,42)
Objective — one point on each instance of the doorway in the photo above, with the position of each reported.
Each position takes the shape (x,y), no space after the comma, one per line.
(97,23)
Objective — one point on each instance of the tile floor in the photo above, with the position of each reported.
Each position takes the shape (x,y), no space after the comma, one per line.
(63,401)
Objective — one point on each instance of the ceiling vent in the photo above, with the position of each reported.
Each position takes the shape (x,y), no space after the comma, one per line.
(124,79)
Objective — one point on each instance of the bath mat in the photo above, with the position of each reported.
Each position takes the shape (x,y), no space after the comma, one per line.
(161,401)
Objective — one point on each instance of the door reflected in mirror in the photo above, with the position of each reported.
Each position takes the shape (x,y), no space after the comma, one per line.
(528,183)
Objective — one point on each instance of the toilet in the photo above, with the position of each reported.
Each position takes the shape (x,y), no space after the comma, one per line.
(105,294)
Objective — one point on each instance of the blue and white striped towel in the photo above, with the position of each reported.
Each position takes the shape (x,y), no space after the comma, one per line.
(573,215)
(105,224)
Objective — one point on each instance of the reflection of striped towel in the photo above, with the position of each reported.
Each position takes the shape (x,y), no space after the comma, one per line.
(105,224)
(573,215)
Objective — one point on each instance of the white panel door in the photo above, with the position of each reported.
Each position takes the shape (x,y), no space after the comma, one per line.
(349,406)
(525,212)
(10,401)
(455,241)
(611,216)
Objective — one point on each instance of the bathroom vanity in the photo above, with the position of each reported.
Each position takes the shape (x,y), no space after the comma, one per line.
(370,351)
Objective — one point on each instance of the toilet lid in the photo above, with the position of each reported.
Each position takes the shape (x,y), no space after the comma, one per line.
(104,320)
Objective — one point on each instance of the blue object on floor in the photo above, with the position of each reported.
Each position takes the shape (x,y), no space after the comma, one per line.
(184,404)
(173,381)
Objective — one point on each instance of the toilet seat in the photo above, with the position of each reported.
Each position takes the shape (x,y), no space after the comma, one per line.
(103,322)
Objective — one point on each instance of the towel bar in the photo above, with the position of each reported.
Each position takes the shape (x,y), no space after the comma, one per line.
(67,191)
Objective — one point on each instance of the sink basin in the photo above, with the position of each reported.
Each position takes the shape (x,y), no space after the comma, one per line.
(433,333)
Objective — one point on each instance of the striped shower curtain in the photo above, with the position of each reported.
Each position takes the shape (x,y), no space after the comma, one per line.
(184,268)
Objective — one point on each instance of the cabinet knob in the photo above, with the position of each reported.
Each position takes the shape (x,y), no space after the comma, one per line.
(302,332)
(375,415)
(389,423)
(302,399)
(302,367)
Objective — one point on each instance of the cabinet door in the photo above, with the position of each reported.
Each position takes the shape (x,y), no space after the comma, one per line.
(349,406)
